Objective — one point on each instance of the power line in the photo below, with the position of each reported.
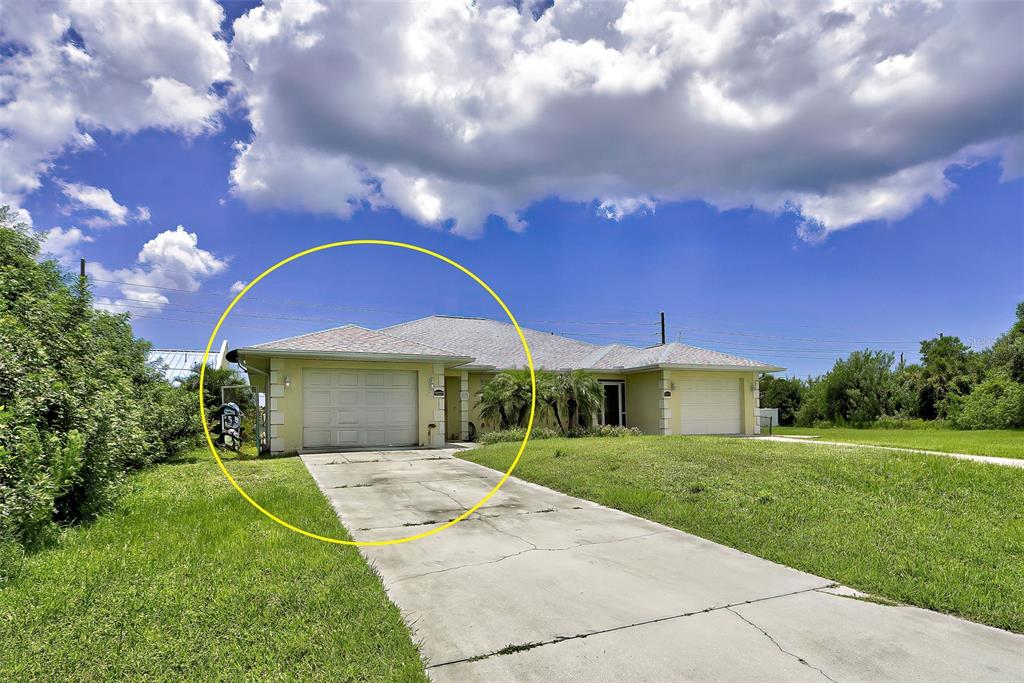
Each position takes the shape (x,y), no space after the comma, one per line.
(805,339)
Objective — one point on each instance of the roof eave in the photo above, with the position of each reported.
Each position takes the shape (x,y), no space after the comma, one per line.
(699,366)
(354,356)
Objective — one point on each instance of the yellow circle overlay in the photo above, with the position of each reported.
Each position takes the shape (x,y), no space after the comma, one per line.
(385,243)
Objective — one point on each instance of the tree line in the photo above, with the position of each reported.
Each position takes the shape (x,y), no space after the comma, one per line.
(953,385)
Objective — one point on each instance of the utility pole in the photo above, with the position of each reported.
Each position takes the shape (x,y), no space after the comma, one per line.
(663,328)
(81,267)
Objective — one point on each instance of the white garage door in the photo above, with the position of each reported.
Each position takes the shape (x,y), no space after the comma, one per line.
(356,408)
(711,405)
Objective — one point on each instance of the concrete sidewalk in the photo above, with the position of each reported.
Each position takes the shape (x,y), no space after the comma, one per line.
(542,586)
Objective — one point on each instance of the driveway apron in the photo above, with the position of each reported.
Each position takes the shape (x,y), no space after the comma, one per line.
(541,586)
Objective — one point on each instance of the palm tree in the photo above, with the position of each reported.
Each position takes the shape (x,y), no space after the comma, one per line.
(549,396)
(505,400)
(581,394)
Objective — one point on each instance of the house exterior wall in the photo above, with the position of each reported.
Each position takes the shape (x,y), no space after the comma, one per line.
(643,401)
(646,406)
(452,406)
(286,402)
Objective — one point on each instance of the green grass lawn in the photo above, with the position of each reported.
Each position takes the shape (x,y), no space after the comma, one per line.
(926,530)
(1000,443)
(185,581)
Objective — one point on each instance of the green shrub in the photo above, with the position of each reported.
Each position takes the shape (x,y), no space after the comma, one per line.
(606,430)
(515,435)
(80,405)
(783,394)
(504,435)
(996,403)
(900,422)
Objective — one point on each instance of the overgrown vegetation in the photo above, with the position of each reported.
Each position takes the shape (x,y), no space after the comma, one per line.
(952,386)
(931,531)
(185,581)
(79,406)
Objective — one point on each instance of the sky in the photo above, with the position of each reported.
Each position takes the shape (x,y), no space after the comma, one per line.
(787,182)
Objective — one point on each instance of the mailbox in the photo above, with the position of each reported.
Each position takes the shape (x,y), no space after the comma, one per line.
(230,418)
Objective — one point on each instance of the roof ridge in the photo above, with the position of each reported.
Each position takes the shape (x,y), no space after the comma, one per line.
(409,322)
(409,341)
(597,354)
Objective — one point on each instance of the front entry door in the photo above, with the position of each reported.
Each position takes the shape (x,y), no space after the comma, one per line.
(613,412)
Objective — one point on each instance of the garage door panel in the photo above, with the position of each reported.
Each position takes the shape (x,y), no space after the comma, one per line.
(319,417)
(399,435)
(401,416)
(317,378)
(345,379)
(346,417)
(316,438)
(711,405)
(404,380)
(344,408)
(317,399)
(376,398)
(346,437)
(345,397)
(376,437)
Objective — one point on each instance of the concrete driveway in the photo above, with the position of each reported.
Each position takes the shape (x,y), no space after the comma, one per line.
(542,586)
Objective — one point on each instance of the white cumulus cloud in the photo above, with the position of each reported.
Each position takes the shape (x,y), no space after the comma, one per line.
(452,112)
(63,244)
(171,261)
(104,65)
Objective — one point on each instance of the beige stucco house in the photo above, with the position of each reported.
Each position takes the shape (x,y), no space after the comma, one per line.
(416,383)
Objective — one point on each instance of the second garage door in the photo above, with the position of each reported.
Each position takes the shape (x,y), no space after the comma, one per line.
(358,408)
(711,405)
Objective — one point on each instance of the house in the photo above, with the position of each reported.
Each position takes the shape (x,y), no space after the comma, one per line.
(177,364)
(416,383)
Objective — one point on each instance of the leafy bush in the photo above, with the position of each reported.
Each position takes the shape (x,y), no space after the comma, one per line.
(516,435)
(606,430)
(80,405)
(784,394)
(858,390)
(504,435)
(900,422)
(996,403)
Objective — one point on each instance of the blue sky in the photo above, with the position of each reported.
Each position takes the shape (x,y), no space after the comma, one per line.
(893,255)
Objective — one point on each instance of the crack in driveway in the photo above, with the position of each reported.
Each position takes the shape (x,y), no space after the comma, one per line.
(513,648)
(781,649)
(531,549)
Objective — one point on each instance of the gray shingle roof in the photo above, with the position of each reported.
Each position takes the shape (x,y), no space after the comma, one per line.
(621,356)
(496,344)
(493,343)
(352,339)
